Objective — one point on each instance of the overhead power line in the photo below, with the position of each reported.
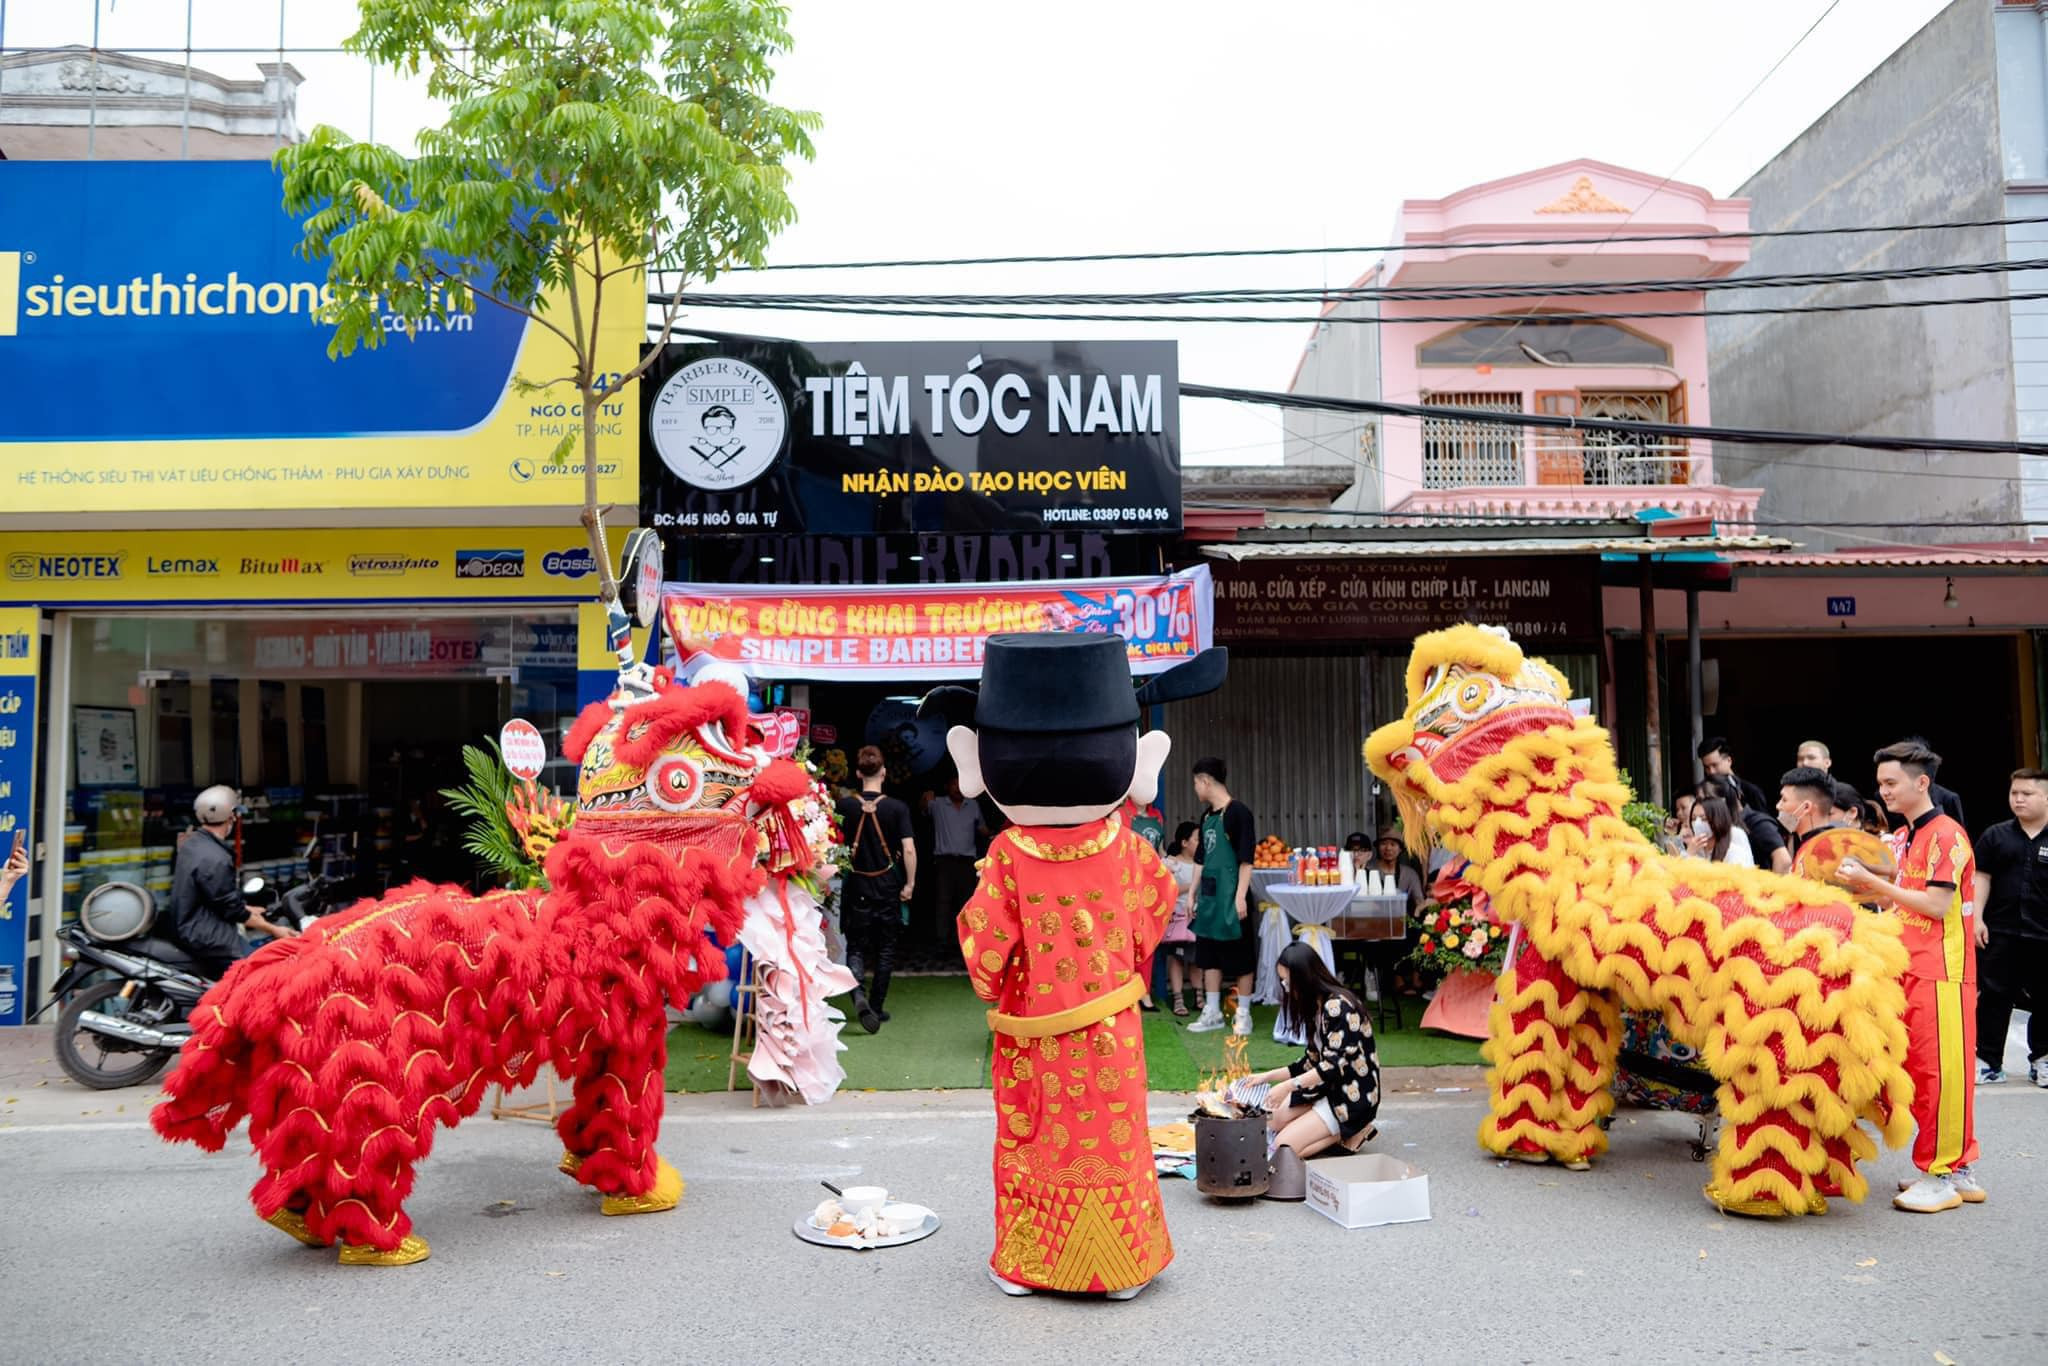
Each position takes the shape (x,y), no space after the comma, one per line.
(1410,293)
(767,303)
(1388,248)
(1669,430)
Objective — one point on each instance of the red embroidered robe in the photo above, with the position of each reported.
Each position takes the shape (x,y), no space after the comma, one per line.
(1054,937)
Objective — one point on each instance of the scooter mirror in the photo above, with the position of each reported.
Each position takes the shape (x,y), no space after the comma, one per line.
(253,884)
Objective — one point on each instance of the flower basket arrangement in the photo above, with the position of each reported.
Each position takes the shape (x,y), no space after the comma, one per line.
(1455,930)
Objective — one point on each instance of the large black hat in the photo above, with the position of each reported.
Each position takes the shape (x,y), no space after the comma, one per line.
(1066,682)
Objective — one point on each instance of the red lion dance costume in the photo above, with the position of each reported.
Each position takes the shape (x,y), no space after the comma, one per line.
(344,1048)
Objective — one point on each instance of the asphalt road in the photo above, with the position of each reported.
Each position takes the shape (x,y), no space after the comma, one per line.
(115,1247)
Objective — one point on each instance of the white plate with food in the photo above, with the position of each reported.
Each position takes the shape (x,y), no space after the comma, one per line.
(890,1224)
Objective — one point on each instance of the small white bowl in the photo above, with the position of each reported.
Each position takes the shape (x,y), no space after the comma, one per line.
(899,1219)
(858,1200)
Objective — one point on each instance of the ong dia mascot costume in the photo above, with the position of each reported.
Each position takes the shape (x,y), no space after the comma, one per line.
(1057,937)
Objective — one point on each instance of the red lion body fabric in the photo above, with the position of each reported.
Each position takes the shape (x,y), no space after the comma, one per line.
(346,1047)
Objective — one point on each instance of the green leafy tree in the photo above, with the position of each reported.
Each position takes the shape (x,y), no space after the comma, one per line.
(590,145)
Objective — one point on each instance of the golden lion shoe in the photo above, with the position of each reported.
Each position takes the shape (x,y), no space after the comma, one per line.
(666,1193)
(1761,1207)
(294,1223)
(570,1164)
(410,1249)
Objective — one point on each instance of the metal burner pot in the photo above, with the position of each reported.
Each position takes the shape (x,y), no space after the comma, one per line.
(1230,1157)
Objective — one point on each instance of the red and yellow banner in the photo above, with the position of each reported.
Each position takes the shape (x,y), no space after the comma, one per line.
(927,631)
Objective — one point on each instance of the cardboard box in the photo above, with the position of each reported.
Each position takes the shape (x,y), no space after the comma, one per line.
(1368,1189)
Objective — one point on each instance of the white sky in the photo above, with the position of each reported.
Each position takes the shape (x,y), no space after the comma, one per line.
(1062,126)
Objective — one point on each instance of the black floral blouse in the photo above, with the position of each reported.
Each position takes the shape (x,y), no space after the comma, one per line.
(1341,1053)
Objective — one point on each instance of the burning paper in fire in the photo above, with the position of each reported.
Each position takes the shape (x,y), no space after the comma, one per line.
(1230,1093)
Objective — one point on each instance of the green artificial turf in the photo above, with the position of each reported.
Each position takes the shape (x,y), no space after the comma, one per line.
(937,1039)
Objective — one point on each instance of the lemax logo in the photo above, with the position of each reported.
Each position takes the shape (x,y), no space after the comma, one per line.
(389,565)
(490,564)
(180,566)
(67,567)
(570,564)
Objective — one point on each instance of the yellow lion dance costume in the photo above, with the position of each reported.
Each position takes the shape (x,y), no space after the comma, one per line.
(1788,991)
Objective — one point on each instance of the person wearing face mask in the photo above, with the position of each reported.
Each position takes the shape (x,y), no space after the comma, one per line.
(1766,840)
(1806,806)
(1716,836)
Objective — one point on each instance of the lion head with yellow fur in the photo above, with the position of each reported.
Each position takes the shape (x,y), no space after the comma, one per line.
(1471,694)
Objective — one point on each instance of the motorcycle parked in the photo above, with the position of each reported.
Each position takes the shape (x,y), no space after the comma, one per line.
(122,1030)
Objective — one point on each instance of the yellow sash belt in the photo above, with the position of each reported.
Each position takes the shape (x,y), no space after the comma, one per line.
(1067,1021)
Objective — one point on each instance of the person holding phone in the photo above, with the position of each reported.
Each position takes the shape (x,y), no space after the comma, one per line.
(16,867)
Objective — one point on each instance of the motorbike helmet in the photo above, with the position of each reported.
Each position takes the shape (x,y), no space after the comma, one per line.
(216,805)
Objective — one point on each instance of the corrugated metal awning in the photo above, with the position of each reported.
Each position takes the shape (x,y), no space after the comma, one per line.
(1530,545)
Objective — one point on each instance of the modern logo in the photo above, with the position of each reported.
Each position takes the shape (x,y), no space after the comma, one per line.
(569,564)
(388,566)
(490,564)
(284,568)
(718,424)
(65,567)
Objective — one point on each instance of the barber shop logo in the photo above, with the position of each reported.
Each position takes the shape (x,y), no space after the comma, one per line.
(718,424)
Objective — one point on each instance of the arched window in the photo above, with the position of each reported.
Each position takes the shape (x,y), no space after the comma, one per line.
(1558,337)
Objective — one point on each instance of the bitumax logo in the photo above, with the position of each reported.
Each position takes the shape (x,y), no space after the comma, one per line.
(71,567)
(569,564)
(490,564)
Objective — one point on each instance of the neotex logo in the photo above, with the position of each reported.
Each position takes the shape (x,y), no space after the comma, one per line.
(65,567)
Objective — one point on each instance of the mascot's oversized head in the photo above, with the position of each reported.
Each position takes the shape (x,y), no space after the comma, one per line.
(1052,734)
(1470,692)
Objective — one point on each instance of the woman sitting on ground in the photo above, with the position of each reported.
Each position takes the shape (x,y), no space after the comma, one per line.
(1332,1092)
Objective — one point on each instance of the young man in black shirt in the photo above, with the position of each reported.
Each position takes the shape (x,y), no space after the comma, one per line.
(878,886)
(2012,929)
(1719,762)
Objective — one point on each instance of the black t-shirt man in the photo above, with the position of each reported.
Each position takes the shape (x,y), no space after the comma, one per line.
(877,842)
(2018,868)
(1766,836)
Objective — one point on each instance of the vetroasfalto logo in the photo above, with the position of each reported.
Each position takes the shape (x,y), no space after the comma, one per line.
(490,564)
(718,424)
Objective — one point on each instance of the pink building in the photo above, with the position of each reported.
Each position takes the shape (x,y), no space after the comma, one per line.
(1534,353)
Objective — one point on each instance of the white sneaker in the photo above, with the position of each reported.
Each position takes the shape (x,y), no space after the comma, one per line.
(1129,1292)
(1208,1022)
(1010,1288)
(1987,1075)
(1243,1023)
(1968,1186)
(1929,1195)
(2038,1070)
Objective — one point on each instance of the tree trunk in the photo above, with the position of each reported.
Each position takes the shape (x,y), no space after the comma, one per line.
(593,520)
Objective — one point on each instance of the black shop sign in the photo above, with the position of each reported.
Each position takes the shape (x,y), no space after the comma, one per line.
(1538,598)
(771,438)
